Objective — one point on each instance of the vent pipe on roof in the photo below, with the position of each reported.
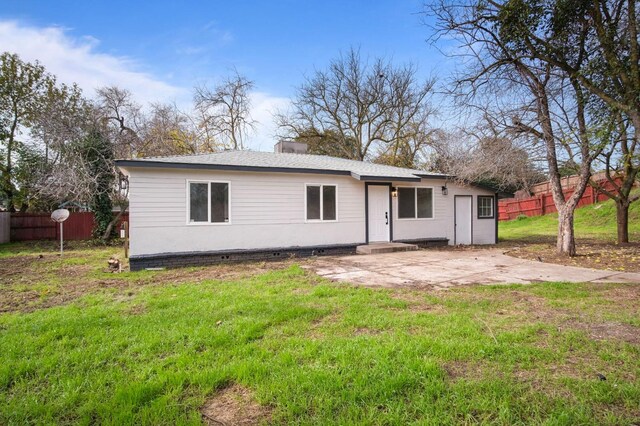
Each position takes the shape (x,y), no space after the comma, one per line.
(291,147)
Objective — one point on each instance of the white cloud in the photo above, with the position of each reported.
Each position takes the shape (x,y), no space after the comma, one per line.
(263,106)
(79,61)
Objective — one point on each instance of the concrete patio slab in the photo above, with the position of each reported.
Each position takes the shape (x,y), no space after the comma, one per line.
(443,269)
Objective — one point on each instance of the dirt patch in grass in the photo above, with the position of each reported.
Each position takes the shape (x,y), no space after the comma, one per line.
(136,310)
(625,297)
(220,272)
(234,405)
(466,370)
(417,303)
(316,330)
(591,254)
(607,330)
(366,331)
(32,282)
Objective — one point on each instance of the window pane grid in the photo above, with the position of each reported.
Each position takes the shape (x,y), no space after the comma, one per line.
(219,202)
(406,203)
(485,206)
(415,203)
(198,209)
(209,202)
(313,203)
(328,203)
(424,197)
(322,203)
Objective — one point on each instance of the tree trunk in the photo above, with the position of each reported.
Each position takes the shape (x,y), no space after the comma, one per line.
(566,243)
(622,221)
(107,232)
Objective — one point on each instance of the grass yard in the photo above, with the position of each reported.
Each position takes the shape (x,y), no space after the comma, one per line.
(81,346)
(597,221)
(595,228)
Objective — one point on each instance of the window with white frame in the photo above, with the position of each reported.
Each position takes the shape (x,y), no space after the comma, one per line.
(208,202)
(415,203)
(322,202)
(485,207)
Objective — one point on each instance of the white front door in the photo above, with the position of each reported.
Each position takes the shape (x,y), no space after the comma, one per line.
(379,214)
(463,207)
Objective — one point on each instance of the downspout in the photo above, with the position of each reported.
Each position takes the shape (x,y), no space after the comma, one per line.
(496,216)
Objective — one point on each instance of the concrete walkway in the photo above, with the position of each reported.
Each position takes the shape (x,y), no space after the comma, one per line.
(442,269)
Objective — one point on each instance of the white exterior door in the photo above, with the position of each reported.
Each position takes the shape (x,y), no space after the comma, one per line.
(463,208)
(379,214)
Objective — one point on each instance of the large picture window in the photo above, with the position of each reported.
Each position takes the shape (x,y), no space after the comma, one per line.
(322,203)
(415,203)
(486,207)
(208,202)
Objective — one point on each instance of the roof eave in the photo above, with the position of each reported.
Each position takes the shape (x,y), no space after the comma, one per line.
(430,176)
(227,167)
(375,178)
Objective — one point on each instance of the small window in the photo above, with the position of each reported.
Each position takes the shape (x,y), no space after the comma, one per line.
(322,202)
(485,207)
(415,203)
(208,202)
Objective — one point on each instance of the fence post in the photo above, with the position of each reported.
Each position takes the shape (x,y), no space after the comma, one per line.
(543,209)
(5,227)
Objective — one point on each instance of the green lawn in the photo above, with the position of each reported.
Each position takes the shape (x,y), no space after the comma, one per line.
(151,347)
(596,221)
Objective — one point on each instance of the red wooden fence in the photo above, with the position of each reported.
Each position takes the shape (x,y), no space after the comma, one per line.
(541,204)
(39,226)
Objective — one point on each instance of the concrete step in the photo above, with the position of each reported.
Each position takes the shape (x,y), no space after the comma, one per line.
(377,248)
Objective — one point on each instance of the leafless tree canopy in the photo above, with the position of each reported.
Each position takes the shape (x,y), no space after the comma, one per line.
(225,112)
(369,109)
(484,157)
(527,97)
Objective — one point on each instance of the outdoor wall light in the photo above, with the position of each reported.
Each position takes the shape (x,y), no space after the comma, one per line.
(394,192)
(445,190)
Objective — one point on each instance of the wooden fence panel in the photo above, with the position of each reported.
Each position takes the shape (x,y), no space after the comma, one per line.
(542,203)
(39,226)
(32,226)
(5,227)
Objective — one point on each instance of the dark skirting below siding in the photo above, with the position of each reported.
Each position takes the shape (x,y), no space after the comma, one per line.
(178,260)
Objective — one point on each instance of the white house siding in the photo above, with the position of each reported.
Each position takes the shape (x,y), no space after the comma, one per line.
(267,210)
(442,224)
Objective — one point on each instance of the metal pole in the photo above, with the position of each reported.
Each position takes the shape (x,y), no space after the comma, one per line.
(61,238)
(126,239)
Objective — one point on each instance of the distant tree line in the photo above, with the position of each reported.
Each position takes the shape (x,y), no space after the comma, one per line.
(57,145)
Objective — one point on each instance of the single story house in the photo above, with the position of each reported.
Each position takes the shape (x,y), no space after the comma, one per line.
(235,205)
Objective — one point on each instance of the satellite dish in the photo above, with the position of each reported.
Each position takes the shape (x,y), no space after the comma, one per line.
(60,215)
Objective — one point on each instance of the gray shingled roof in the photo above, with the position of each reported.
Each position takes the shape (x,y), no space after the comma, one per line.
(281,162)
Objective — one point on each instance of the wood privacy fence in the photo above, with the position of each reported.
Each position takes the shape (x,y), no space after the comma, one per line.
(5,227)
(542,203)
(39,226)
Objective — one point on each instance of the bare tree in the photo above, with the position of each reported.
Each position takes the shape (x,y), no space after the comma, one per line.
(225,111)
(368,108)
(169,131)
(484,158)
(125,119)
(544,104)
(597,45)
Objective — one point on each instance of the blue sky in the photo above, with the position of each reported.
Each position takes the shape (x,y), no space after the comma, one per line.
(159,50)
